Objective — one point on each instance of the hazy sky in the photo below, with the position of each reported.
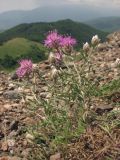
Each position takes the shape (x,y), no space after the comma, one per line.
(6,5)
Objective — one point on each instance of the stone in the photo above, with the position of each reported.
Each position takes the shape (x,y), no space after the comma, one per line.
(29,121)
(4,146)
(14,125)
(101,47)
(10,158)
(29,98)
(1,135)
(1,93)
(20,90)
(4,158)
(11,142)
(57,156)
(43,94)
(103,108)
(29,137)
(44,89)
(26,152)
(13,94)
(12,134)
(7,106)
(49,95)
(11,85)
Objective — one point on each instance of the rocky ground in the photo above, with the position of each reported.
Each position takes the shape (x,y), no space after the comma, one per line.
(97,142)
(14,117)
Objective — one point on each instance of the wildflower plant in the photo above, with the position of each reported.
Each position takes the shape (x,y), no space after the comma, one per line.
(71,88)
(64,112)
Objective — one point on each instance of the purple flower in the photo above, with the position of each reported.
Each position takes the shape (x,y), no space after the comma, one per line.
(53,39)
(25,68)
(68,41)
(58,57)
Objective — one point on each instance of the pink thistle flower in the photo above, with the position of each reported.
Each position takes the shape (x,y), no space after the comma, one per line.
(68,41)
(53,40)
(25,68)
(58,57)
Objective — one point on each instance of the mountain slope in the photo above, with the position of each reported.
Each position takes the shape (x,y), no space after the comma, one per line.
(37,31)
(19,48)
(109,24)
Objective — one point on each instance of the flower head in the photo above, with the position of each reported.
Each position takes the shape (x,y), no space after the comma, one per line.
(117,62)
(95,40)
(53,39)
(86,47)
(68,41)
(25,68)
(58,57)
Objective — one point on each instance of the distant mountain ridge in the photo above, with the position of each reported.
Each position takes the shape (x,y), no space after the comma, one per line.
(109,24)
(38,31)
(52,13)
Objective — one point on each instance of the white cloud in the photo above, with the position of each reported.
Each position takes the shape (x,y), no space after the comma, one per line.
(16,4)
(96,2)
(30,4)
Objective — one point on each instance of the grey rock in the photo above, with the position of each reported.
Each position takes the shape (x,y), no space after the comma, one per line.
(14,125)
(103,108)
(12,94)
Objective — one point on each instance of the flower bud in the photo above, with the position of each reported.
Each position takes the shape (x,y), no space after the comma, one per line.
(86,47)
(35,67)
(95,40)
(117,62)
(58,57)
(51,58)
(54,72)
